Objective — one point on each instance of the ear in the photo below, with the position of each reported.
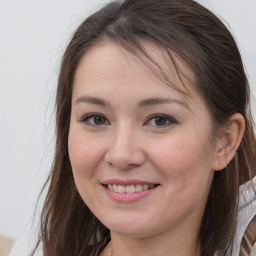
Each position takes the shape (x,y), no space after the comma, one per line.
(228,142)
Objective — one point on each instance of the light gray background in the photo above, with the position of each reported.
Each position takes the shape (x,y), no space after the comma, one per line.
(33,36)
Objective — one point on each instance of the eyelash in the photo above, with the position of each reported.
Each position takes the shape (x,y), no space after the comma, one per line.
(167,120)
(87,118)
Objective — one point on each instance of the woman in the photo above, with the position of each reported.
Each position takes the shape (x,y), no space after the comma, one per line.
(154,137)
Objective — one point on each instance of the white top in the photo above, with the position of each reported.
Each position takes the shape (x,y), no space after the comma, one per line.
(246,212)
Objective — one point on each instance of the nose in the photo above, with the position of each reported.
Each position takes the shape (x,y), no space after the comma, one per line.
(125,151)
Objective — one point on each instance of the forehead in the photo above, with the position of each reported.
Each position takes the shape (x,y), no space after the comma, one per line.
(108,60)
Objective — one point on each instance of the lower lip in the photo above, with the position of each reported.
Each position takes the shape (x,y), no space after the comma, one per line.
(128,197)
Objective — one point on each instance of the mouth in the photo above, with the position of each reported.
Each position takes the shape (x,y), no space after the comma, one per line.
(129,189)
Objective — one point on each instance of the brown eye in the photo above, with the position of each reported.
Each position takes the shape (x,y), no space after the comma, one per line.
(95,120)
(160,120)
(99,120)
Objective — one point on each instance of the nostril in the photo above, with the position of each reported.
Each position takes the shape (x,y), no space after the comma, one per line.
(124,163)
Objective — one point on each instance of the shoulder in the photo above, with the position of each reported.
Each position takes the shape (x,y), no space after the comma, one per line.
(246,231)
(247,203)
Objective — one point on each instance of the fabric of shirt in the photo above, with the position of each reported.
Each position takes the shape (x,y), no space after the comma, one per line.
(246,212)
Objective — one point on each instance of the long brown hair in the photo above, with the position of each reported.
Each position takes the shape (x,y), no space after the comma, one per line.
(183,28)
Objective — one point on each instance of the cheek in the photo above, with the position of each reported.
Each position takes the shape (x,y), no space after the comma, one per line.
(85,156)
(85,153)
(186,170)
(183,161)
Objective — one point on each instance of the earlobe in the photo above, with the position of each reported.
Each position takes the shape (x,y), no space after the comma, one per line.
(228,142)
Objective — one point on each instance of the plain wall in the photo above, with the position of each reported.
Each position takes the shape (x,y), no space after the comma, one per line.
(33,36)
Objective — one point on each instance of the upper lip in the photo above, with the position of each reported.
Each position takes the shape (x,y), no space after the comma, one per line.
(127,182)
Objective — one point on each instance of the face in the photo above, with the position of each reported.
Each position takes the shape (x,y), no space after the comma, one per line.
(139,152)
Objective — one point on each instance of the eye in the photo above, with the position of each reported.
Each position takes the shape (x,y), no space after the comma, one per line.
(160,120)
(95,120)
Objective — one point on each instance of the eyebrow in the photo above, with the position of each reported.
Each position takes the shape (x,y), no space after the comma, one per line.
(143,103)
(157,101)
(92,100)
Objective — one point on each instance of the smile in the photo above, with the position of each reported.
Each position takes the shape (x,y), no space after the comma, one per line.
(128,193)
(130,188)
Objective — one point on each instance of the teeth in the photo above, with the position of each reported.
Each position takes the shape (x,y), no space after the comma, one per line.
(120,189)
(138,188)
(129,189)
(145,187)
(114,188)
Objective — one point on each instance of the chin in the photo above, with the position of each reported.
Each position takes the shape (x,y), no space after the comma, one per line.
(130,227)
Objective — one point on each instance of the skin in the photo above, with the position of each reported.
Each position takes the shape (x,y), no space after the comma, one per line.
(129,142)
